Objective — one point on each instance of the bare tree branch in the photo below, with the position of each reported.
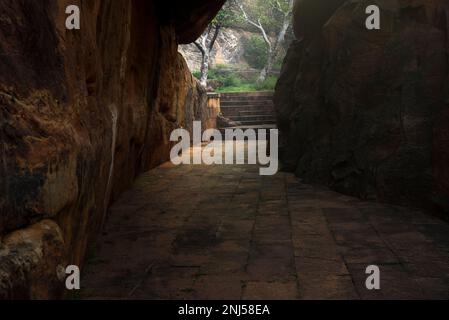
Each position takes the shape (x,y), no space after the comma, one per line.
(212,42)
(257,24)
(204,40)
(279,7)
(199,46)
(290,8)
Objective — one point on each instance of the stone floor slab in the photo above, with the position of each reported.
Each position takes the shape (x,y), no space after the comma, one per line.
(224,232)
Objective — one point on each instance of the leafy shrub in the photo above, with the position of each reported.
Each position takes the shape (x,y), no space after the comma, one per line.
(232,80)
(227,77)
(218,72)
(278,64)
(268,85)
(255,52)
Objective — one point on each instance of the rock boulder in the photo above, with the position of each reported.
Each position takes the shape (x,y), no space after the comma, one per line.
(369,113)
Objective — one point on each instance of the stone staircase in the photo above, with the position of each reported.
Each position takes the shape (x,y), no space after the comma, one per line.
(249,110)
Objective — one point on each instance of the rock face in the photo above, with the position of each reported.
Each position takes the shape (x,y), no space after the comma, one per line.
(228,49)
(81,114)
(370,109)
(32,262)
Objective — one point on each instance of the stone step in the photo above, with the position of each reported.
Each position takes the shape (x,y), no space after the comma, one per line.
(264,127)
(254,113)
(247,95)
(253,118)
(238,116)
(232,103)
(249,109)
(240,99)
(251,112)
(262,107)
(257,122)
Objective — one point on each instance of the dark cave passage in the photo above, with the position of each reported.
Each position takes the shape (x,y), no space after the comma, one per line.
(86,118)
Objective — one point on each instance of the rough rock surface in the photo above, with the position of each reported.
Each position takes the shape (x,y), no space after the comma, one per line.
(81,114)
(228,49)
(32,262)
(370,109)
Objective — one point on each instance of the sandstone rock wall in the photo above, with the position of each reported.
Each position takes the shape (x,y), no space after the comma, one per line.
(81,114)
(370,110)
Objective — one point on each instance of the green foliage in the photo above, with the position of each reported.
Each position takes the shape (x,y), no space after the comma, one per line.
(278,64)
(219,72)
(242,88)
(255,52)
(232,81)
(268,12)
(228,16)
(268,85)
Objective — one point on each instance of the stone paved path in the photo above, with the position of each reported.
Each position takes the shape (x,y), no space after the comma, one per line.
(224,232)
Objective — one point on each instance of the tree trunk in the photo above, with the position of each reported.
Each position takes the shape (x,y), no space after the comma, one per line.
(205,67)
(268,67)
(206,46)
(272,53)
